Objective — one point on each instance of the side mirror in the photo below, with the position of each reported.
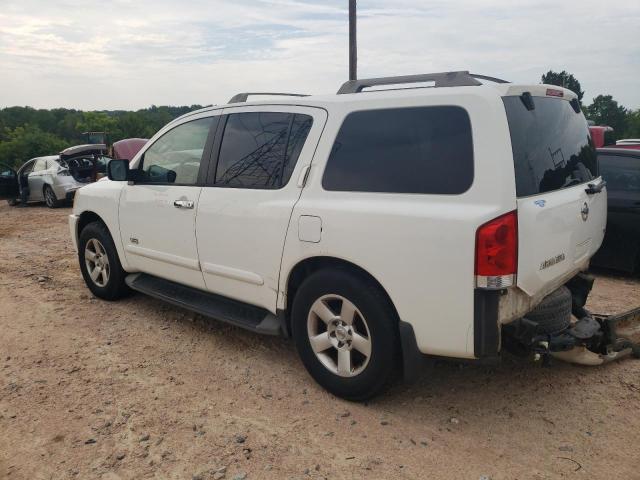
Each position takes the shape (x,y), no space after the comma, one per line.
(118,170)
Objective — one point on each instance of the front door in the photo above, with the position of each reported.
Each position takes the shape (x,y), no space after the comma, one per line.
(262,155)
(8,182)
(158,210)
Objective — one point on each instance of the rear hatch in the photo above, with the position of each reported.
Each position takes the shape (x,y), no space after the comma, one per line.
(562,206)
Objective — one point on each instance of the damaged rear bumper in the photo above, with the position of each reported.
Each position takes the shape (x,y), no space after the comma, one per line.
(592,339)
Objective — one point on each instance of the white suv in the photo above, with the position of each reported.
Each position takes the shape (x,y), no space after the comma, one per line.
(375,227)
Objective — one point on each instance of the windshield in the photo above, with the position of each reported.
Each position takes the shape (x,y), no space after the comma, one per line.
(551,145)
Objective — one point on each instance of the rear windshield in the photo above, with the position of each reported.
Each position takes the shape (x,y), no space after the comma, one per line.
(551,145)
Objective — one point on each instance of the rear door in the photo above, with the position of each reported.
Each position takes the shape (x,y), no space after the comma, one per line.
(36,179)
(8,182)
(561,220)
(262,155)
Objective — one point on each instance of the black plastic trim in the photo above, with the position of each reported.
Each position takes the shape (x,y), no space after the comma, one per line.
(486,331)
(412,357)
(242,97)
(441,79)
(231,311)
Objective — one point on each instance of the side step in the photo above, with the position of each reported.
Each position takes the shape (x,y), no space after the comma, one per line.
(211,305)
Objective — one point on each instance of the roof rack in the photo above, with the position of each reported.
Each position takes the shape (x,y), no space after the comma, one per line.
(242,97)
(443,79)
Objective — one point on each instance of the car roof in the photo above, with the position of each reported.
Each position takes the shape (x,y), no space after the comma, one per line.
(353,101)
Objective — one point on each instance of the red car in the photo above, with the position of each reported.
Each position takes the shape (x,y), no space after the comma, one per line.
(126,149)
(602,136)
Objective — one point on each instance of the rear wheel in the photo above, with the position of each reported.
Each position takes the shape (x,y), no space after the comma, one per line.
(346,333)
(50,197)
(100,264)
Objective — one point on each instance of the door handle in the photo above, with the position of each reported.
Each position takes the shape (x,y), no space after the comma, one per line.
(183,203)
(593,188)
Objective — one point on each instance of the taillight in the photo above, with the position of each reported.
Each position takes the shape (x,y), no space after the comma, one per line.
(497,252)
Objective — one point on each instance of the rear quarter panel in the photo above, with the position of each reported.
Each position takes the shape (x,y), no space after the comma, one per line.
(419,247)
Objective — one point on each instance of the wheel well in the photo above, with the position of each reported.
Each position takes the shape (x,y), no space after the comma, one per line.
(311,265)
(85,219)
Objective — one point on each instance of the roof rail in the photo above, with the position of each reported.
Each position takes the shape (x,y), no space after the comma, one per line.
(242,97)
(443,79)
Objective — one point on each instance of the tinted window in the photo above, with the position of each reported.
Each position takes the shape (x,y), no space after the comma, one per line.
(260,149)
(403,150)
(175,157)
(621,172)
(551,145)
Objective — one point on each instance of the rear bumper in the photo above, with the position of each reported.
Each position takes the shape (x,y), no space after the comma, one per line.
(65,191)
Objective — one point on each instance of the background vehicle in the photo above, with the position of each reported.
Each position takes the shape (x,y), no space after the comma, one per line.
(602,135)
(631,143)
(126,149)
(621,246)
(54,179)
(371,226)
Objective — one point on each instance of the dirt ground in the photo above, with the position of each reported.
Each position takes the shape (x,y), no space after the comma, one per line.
(140,389)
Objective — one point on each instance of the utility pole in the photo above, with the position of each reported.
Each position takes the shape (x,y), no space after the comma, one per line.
(353,46)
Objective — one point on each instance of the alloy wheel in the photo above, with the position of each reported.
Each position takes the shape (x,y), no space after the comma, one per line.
(97,262)
(339,335)
(48,197)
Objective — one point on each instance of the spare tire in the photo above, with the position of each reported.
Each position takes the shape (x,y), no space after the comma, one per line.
(553,313)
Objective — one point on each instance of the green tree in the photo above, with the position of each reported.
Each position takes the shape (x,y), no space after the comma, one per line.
(97,122)
(28,141)
(604,110)
(564,79)
(633,124)
(26,132)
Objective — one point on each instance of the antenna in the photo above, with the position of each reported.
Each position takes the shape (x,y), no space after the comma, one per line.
(353,46)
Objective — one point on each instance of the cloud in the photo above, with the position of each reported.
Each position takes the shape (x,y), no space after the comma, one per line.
(130,54)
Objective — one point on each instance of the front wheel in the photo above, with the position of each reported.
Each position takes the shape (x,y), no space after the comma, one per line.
(100,264)
(345,330)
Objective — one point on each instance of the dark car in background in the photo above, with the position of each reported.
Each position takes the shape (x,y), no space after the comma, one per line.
(621,246)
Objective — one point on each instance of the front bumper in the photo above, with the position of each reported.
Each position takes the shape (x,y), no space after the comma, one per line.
(73,230)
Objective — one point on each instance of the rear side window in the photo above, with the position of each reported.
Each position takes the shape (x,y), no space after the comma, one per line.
(403,150)
(260,149)
(621,172)
(41,164)
(552,148)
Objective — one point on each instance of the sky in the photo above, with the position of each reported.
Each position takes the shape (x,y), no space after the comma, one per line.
(130,54)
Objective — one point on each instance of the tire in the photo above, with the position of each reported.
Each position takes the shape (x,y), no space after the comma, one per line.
(12,202)
(50,198)
(374,321)
(96,251)
(553,314)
